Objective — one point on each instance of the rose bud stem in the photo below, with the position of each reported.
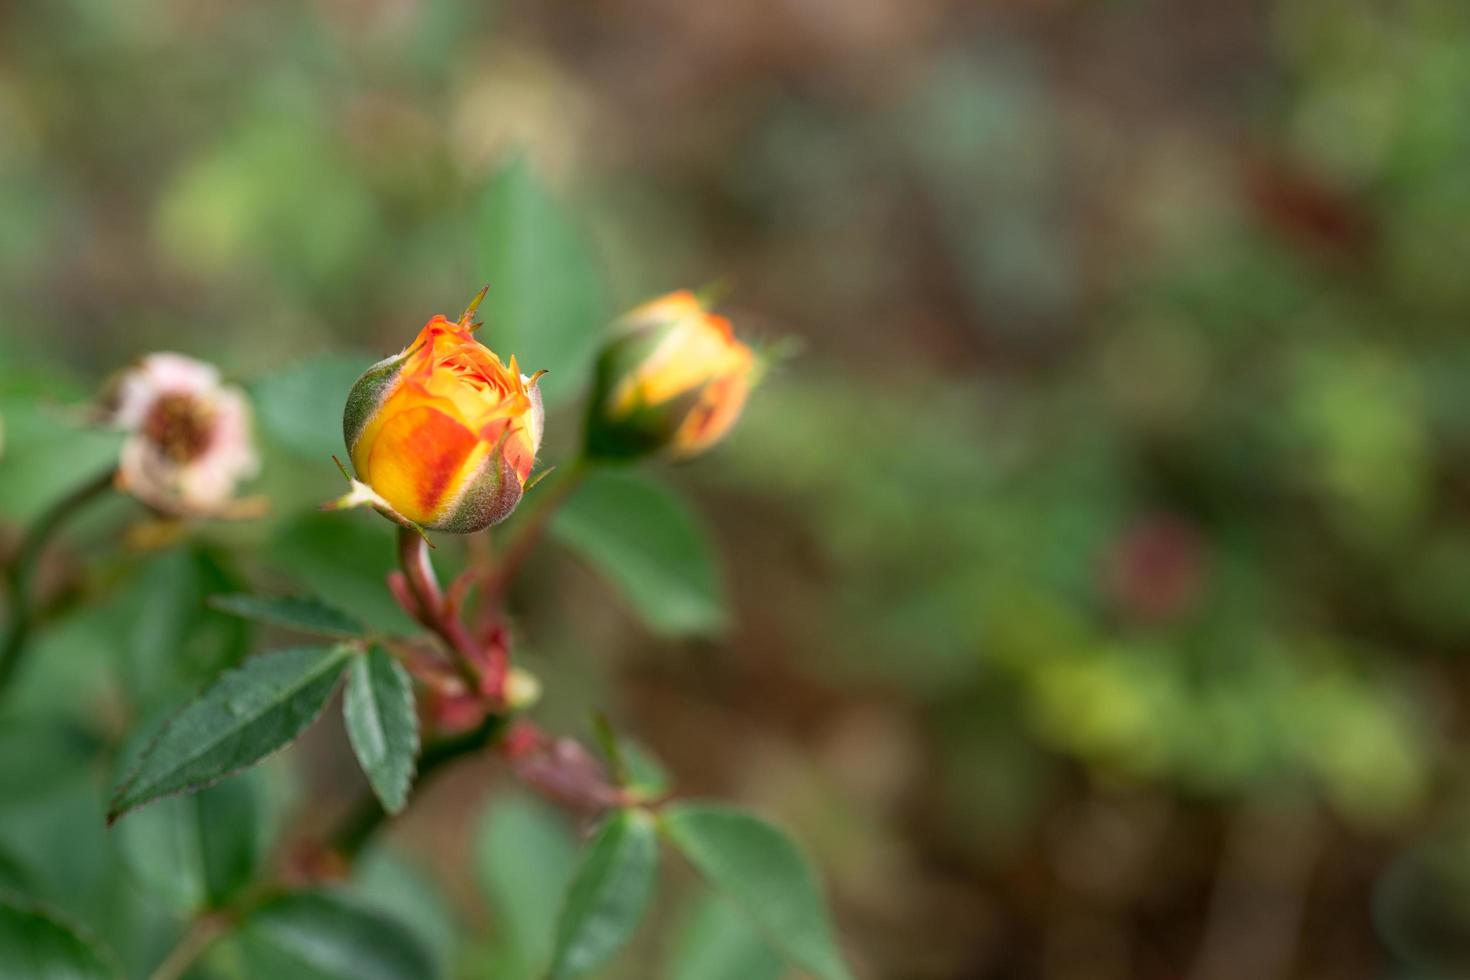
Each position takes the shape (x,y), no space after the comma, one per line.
(484,665)
(436,615)
(23,569)
(404,596)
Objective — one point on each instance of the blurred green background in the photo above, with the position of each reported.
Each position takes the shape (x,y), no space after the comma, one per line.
(1089,594)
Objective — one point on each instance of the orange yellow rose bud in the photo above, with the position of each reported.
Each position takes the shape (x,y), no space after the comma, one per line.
(674,379)
(445,432)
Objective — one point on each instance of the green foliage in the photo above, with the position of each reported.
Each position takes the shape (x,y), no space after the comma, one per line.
(343,558)
(53,830)
(36,945)
(273,190)
(608,895)
(47,450)
(382,725)
(717,941)
(171,641)
(248,714)
(1032,343)
(546,302)
(13,876)
(300,406)
(199,850)
(647,777)
(326,936)
(388,883)
(304,614)
(37,756)
(525,858)
(763,872)
(646,541)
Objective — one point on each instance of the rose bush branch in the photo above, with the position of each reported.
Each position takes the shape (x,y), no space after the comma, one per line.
(202,934)
(417,590)
(21,573)
(443,438)
(559,769)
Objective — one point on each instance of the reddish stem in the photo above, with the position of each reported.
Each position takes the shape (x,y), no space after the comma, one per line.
(404,596)
(435,612)
(413,558)
(558,768)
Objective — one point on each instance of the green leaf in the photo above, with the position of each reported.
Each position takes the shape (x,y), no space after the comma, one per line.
(168,640)
(48,448)
(633,767)
(647,777)
(34,945)
(525,857)
(13,875)
(325,936)
(641,536)
(609,894)
(764,872)
(248,714)
(59,837)
(300,407)
(344,558)
(305,614)
(197,851)
(385,882)
(70,862)
(718,942)
(382,725)
(39,754)
(547,302)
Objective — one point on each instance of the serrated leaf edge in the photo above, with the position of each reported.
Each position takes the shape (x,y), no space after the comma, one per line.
(114,814)
(220,604)
(417,741)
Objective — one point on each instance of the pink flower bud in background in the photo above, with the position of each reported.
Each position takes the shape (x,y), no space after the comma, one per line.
(189,441)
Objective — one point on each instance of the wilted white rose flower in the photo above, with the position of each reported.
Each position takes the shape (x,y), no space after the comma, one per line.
(189,441)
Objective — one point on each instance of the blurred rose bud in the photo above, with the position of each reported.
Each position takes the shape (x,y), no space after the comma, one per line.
(674,379)
(189,443)
(445,432)
(560,768)
(522,689)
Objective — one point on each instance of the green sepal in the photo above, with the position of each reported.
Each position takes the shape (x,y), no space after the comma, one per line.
(645,431)
(359,494)
(495,490)
(487,499)
(368,393)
